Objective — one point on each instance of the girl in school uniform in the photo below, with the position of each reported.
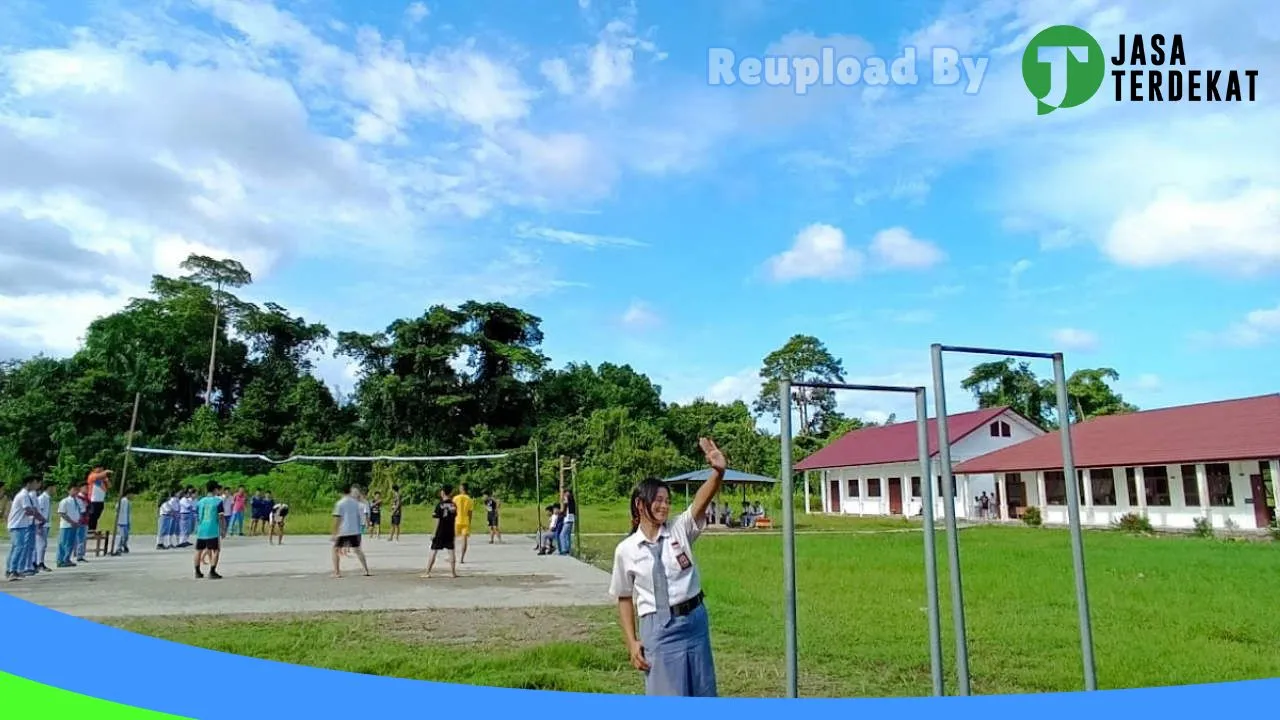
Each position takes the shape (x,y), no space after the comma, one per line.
(655,581)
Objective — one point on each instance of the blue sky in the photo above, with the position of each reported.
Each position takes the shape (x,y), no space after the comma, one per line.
(367,160)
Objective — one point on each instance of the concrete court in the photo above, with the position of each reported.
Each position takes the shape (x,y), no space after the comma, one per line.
(294,577)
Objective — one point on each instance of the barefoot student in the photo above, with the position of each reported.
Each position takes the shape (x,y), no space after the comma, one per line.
(347,516)
(655,580)
(445,514)
(209,519)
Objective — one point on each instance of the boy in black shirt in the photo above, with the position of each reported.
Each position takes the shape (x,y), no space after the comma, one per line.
(445,514)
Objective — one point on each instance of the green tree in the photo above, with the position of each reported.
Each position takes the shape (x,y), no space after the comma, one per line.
(803,358)
(218,274)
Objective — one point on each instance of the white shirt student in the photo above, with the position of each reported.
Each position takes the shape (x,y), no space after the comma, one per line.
(68,521)
(20,511)
(633,565)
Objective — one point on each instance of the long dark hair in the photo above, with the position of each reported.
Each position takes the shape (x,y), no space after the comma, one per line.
(643,496)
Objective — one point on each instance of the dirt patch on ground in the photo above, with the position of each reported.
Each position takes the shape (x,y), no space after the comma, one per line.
(482,626)
(514,626)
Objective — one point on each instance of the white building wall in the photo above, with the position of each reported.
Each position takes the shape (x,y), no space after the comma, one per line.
(1178,514)
(855,497)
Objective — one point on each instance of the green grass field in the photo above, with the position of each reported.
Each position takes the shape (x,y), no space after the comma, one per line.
(1166,610)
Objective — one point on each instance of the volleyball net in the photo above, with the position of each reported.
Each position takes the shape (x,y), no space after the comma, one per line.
(320,458)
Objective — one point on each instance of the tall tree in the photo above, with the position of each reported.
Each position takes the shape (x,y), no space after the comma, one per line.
(1011,383)
(803,358)
(1091,395)
(217,274)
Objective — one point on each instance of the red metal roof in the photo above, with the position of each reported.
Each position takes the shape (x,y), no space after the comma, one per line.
(893,443)
(1243,429)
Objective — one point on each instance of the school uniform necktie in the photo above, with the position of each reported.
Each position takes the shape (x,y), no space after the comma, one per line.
(661,596)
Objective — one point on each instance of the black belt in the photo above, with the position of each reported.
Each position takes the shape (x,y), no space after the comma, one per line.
(687,607)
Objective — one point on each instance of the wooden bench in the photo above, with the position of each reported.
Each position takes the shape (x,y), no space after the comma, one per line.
(763,522)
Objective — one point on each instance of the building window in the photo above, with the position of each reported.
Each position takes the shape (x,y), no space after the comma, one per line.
(1103,483)
(1190,487)
(1218,477)
(1055,487)
(915,487)
(1131,485)
(999,429)
(852,483)
(873,487)
(1156,478)
(1004,430)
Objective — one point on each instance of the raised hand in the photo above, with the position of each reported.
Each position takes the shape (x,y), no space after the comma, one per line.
(715,458)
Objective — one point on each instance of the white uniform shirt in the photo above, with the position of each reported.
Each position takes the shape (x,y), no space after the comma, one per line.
(18,517)
(124,513)
(44,504)
(633,564)
(69,507)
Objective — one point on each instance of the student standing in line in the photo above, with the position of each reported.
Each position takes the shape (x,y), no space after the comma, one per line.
(22,520)
(210,524)
(185,517)
(124,520)
(397,507)
(465,506)
(445,514)
(68,522)
(346,530)
(40,549)
(82,532)
(655,580)
(491,516)
(168,523)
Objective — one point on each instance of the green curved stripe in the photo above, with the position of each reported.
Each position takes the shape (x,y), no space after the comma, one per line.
(40,700)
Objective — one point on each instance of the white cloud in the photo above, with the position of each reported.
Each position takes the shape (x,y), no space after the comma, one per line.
(639,315)
(569,237)
(819,251)
(1075,339)
(743,385)
(1258,327)
(416,12)
(1239,233)
(1147,382)
(898,248)
(557,72)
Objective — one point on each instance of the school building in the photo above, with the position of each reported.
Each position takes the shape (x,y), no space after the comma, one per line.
(1216,460)
(876,470)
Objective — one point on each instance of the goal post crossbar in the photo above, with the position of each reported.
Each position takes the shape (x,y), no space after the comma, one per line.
(317,458)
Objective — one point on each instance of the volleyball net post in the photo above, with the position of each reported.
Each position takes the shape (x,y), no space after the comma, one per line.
(789,528)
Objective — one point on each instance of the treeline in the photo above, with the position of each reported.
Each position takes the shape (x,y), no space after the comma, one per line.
(466,380)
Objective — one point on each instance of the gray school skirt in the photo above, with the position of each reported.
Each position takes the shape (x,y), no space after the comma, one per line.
(679,655)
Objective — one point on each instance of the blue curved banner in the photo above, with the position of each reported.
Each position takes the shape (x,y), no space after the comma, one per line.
(96,661)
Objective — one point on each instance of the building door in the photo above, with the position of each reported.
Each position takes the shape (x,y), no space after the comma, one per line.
(833,495)
(1017,490)
(895,496)
(1261,513)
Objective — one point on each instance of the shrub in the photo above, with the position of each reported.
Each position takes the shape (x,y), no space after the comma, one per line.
(1134,523)
(1203,528)
(1031,516)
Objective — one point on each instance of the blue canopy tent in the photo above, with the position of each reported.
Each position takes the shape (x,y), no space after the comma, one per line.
(731,477)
